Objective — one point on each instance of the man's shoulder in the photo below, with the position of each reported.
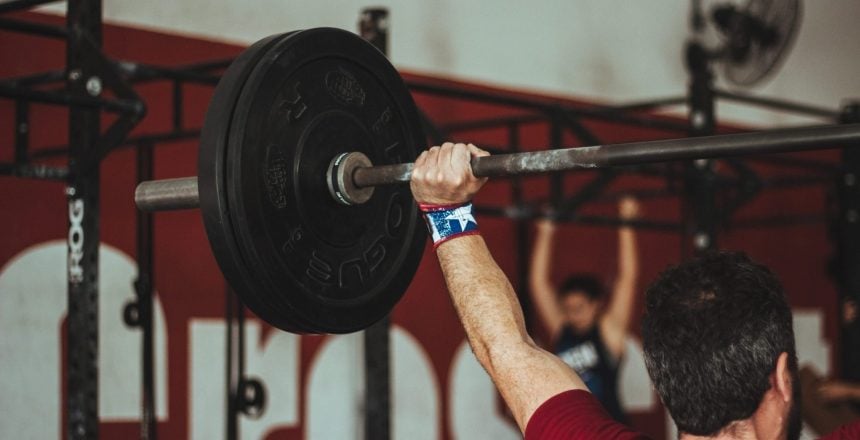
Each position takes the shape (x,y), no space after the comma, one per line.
(575,414)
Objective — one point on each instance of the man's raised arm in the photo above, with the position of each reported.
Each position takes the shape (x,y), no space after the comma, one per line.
(526,376)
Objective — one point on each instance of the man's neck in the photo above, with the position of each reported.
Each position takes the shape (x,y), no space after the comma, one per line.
(740,430)
(767,422)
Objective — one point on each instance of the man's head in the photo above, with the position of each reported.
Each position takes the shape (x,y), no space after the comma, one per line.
(719,344)
(580,297)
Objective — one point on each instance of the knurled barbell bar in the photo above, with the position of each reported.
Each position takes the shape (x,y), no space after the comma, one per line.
(303,139)
(352,176)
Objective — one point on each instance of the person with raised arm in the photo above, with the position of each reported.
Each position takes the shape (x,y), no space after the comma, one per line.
(717,332)
(587,337)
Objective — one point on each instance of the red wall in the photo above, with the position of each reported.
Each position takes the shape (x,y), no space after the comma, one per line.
(187,277)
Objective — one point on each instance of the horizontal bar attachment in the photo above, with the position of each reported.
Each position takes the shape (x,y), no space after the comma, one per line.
(167,194)
(20,5)
(600,156)
(32,28)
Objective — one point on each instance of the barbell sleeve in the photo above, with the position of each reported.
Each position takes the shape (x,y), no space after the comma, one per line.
(167,194)
(182,193)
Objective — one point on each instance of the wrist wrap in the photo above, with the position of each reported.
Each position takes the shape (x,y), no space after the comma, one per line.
(449,221)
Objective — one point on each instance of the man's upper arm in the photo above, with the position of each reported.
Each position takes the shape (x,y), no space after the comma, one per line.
(527,376)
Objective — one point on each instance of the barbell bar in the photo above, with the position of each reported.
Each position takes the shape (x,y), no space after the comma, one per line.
(181,193)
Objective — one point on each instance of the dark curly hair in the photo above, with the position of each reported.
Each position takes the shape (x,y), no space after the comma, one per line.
(712,332)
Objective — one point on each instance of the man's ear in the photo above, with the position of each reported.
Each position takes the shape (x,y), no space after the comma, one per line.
(782,377)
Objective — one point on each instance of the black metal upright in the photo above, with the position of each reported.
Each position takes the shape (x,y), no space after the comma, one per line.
(234,314)
(85,30)
(139,314)
(373,27)
(246,396)
(846,239)
(700,185)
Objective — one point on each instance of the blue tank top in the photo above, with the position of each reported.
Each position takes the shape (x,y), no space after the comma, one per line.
(588,356)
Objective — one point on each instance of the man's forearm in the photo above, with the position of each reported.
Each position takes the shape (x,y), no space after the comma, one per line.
(479,289)
(525,375)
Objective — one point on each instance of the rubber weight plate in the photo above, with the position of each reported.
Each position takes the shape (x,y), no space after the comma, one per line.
(297,258)
(211,176)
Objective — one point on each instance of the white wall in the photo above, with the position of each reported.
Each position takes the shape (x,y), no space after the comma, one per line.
(606,50)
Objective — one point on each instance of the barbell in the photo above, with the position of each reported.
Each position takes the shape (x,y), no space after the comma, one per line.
(304,141)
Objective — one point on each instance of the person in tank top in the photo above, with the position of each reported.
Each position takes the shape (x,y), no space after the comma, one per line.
(584,334)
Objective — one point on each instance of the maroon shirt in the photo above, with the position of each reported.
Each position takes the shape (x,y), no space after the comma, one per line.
(576,414)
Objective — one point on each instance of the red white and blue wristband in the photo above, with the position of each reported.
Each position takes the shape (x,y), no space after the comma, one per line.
(449,221)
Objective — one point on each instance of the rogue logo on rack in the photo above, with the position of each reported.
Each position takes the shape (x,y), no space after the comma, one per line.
(76,240)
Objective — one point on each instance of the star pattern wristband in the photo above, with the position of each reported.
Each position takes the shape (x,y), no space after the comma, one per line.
(449,221)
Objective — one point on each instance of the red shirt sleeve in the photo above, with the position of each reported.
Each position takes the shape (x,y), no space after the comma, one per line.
(846,432)
(574,415)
